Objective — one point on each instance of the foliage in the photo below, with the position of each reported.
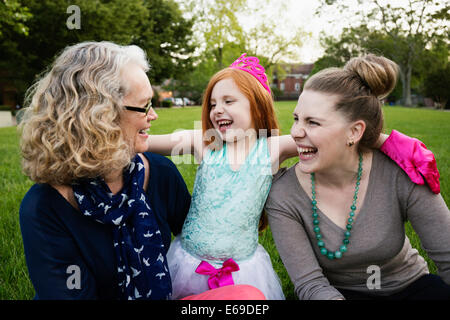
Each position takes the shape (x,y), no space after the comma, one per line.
(437,85)
(156,25)
(216,25)
(13,17)
(222,39)
(167,38)
(267,41)
(166,103)
(402,33)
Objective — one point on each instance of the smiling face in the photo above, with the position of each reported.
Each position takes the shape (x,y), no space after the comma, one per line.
(135,124)
(230,111)
(320,132)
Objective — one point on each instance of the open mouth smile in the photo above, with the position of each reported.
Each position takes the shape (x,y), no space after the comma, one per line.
(143,132)
(306,153)
(224,125)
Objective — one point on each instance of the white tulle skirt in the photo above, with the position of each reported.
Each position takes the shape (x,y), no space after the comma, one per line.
(256,271)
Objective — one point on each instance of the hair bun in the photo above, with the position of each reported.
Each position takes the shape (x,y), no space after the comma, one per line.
(378,73)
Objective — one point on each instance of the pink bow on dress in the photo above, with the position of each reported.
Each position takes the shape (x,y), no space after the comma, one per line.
(218,277)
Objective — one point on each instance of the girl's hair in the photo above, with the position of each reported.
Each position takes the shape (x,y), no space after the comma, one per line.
(261,103)
(71,126)
(262,110)
(360,86)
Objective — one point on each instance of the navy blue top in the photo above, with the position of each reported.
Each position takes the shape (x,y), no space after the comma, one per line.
(61,243)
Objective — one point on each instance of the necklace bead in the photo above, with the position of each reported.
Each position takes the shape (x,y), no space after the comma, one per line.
(320,243)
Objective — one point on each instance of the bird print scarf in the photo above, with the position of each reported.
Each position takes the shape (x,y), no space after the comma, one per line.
(140,255)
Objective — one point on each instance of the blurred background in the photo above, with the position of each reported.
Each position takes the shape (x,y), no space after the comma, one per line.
(189,40)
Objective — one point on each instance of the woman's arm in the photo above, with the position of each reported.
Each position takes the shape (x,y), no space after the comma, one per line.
(430,218)
(298,257)
(55,265)
(292,241)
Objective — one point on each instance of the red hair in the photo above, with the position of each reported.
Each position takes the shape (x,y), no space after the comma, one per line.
(261,103)
(262,110)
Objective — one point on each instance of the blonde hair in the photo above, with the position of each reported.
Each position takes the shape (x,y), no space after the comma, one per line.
(71,126)
(360,85)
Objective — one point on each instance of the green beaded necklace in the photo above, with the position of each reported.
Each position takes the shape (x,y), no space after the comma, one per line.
(343,248)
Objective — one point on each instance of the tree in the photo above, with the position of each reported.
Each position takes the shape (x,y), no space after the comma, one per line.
(13,16)
(408,29)
(216,25)
(222,39)
(263,41)
(156,25)
(437,85)
(167,37)
(352,42)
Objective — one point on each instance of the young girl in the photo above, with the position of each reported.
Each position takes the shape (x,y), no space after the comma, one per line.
(239,150)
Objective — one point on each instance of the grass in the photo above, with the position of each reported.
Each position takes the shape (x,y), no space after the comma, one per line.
(430,126)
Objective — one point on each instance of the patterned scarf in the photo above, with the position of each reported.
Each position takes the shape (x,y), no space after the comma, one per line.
(141,261)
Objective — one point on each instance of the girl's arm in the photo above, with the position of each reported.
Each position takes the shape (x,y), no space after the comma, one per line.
(381,140)
(281,148)
(284,147)
(409,153)
(177,143)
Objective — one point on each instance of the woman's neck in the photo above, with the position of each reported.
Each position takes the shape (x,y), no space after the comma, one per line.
(114,181)
(344,173)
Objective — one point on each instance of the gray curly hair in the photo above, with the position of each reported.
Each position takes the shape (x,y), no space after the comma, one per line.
(71,126)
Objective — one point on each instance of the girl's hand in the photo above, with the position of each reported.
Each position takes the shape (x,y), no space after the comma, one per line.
(281,148)
(414,158)
(381,139)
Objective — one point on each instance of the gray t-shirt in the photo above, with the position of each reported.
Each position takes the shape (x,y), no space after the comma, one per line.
(378,250)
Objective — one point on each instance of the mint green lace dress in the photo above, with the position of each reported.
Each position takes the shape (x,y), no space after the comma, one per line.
(222,223)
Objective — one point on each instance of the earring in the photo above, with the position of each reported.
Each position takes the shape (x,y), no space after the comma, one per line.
(351,143)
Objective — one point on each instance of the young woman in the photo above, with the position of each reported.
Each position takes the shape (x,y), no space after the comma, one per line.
(338,215)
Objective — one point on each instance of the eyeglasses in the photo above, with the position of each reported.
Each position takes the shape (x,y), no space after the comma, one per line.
(143,110)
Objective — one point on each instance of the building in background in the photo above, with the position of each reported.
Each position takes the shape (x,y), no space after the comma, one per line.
(290,82)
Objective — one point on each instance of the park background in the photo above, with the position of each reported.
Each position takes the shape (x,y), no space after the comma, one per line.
(187,41)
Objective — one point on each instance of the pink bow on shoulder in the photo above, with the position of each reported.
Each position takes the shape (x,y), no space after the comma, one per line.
(218,277)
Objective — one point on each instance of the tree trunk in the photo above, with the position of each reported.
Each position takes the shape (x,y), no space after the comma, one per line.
(401,74)
(220,57)
(407,86)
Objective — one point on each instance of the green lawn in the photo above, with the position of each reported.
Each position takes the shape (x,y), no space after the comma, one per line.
(430,126)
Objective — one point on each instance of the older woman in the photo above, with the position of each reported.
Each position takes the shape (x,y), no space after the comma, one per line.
(97,224)
(338,215)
